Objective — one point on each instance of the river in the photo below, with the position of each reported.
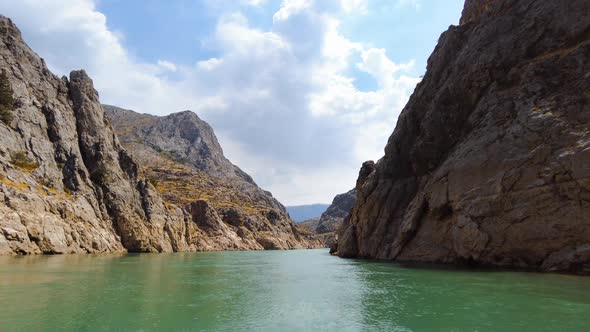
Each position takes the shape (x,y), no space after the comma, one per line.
(306,290)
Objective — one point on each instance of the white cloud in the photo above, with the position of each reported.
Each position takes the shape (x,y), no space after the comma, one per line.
(71,34)
(282,101)
(291,7)
(167,65)
(210,64)
(376,63)
(234,35)
(355,6)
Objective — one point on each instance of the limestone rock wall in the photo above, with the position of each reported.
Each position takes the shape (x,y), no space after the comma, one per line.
(489,163)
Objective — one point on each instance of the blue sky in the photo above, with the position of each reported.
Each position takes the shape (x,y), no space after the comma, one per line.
(180,30)
(299,92)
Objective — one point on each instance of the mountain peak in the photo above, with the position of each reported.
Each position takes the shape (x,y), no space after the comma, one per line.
(182,135)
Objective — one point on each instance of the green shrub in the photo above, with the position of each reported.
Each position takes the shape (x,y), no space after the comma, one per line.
(20,160)
(6,99)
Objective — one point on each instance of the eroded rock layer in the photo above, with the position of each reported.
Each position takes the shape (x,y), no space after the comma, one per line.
(490,160)
(68,186)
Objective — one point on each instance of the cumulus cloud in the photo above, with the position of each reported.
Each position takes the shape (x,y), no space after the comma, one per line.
(290,8)
(282,101)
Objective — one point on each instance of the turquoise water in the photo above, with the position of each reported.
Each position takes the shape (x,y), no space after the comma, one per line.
(278,291)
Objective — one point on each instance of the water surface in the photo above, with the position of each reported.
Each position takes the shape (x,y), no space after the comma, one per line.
(278,291)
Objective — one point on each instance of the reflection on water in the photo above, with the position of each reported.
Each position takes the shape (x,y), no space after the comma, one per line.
(278,291)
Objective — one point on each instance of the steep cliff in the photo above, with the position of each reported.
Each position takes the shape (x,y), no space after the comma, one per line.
(68,186)
(490,160)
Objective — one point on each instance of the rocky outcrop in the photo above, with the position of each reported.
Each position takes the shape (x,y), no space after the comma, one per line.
(340,208)
(310,224)
(183,136)
(489,163)
(68,186)
(181,156)
(327,224)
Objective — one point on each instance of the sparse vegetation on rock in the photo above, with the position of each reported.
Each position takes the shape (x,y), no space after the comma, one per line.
(6,99)
(22,161)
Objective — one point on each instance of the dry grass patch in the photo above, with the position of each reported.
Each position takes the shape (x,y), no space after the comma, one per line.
(22,161)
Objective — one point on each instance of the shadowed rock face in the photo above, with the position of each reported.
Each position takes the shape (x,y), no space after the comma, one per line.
(68,186)
(325,227)
(340,208)
(490,160)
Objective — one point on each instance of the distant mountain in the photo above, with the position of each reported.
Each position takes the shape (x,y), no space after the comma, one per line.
(326,226)
(183,160)
(302,213)
(333,217)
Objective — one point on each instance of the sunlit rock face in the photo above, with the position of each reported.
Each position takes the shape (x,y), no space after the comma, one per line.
(67,185)
(490,161)
(181,156)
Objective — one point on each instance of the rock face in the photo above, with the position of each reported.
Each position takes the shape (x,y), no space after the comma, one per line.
(310,224)
(183,136)
(68,186)
(327,224)
(490,161)
(181,156)
(340,208)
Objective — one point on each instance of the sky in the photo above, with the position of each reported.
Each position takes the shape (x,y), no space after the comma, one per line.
(299,92)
